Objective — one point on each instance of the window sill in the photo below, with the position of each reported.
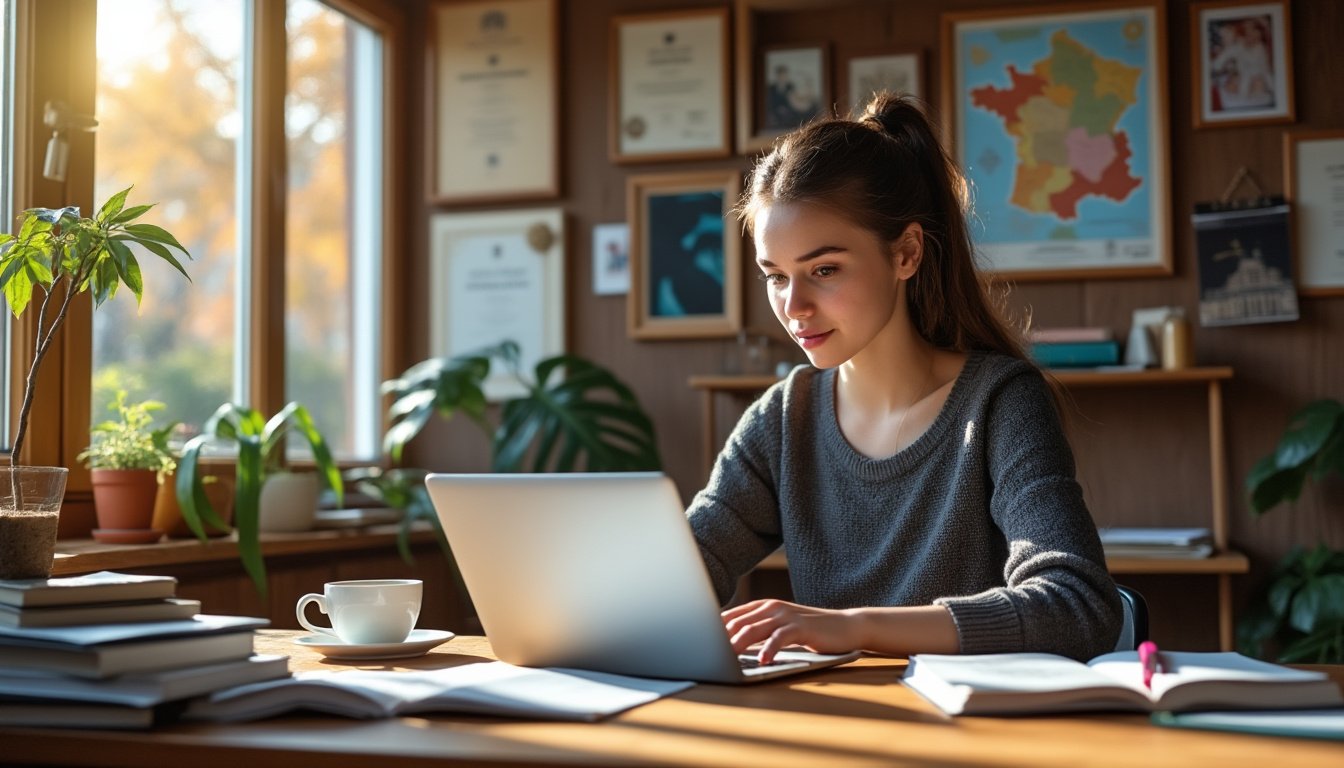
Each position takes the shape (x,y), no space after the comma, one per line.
(74,556)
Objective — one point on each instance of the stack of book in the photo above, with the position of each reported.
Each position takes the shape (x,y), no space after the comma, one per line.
(116,650)
(1192,543)
(1083,347)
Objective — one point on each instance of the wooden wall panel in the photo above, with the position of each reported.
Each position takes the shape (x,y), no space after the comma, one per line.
(1278,367)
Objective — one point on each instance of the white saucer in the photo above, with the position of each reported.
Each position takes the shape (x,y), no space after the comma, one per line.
(417,644)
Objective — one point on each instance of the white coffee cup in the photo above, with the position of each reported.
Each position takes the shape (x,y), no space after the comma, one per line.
(366,610)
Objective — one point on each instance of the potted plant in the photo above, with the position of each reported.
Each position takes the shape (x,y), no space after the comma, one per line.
(64,254)
(263,491)
(1300,610)
(127,459)
(575,415)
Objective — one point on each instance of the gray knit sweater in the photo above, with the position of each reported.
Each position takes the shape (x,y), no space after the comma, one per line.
(981,514)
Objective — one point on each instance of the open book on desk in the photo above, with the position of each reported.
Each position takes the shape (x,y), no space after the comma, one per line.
(491,688)
(1026,683)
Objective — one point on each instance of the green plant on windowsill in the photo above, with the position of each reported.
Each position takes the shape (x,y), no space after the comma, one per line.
(128,442)
(1300,609)
(260,447)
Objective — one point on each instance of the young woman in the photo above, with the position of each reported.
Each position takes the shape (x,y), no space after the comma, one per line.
(916,474)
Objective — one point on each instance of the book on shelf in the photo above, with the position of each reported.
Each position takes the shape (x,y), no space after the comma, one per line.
(1076,354)
(488,688)
(99,613)
(1067,334)
(1026,683)
(103,650)
(1191,543)
(104,586)
(141,689)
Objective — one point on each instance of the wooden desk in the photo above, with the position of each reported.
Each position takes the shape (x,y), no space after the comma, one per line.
(854,715)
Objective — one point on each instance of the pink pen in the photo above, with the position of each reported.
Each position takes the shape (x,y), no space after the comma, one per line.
(1150,662)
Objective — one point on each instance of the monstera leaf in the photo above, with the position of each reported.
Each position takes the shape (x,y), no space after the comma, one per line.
(575,415)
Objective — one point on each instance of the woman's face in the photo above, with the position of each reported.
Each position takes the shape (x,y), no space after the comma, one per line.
(832,284)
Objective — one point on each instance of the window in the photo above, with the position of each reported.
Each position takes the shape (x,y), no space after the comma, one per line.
(170,103)
(333,233)
(180,86)
(6,196)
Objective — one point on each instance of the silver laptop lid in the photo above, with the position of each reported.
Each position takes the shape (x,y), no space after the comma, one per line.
(592,571)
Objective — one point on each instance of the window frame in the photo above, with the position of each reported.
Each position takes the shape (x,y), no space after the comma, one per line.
(67,72)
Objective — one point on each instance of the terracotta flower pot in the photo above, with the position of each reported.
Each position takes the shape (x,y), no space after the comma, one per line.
(168,513)
(30,507)
(123,500)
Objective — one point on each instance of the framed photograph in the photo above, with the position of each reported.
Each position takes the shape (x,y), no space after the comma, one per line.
(1245,263)
(669,86)
(1242,62)
(493,96)
(685,256)
(611,259)
(868,75)
(1058,120)
(794,87)
(1313,163)
(498,277)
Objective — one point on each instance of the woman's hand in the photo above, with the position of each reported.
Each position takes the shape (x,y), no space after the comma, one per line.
(777,624)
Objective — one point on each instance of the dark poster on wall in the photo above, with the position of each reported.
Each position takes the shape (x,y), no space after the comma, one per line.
(1245,262)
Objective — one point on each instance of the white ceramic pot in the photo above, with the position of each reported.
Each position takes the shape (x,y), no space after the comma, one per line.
(288,502)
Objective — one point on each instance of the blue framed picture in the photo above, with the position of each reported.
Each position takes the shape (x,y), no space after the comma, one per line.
(685,256)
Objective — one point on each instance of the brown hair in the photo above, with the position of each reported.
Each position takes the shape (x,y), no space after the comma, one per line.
(885,171)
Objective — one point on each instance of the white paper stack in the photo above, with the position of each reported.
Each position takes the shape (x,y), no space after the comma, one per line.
(1193,543)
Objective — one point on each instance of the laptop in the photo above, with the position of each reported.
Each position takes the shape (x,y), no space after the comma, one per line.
(597,572)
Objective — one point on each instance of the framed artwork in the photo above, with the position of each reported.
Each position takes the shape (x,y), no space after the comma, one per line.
(611,259)
(493,96)
(1242,61)
(794,75)
(1313,163)
(896,72)
(497,277)
(669,86)
(794,87)
(1058,120)
(685,256)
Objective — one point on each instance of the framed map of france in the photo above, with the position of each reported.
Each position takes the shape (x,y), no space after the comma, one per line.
(1058,117)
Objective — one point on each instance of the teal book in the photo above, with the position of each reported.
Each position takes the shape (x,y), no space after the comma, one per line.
(1298,723)
(1076,354)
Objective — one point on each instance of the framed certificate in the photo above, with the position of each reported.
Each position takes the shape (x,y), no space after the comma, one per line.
(669,86)
(1058,118)
(498,277)
(685,255)
(1313,163)
(494,117)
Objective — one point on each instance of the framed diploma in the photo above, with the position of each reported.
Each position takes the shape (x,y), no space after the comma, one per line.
(498,277)
(669,86)
(493,85)
(685,255)
(1070,184)
(1313,163)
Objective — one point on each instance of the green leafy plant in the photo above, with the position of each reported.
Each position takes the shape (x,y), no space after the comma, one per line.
(259,443)
(400,488)
(65,255)
(1300,609)
(574,416)
(129,442)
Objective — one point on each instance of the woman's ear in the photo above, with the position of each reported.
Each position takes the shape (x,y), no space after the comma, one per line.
(907,251)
